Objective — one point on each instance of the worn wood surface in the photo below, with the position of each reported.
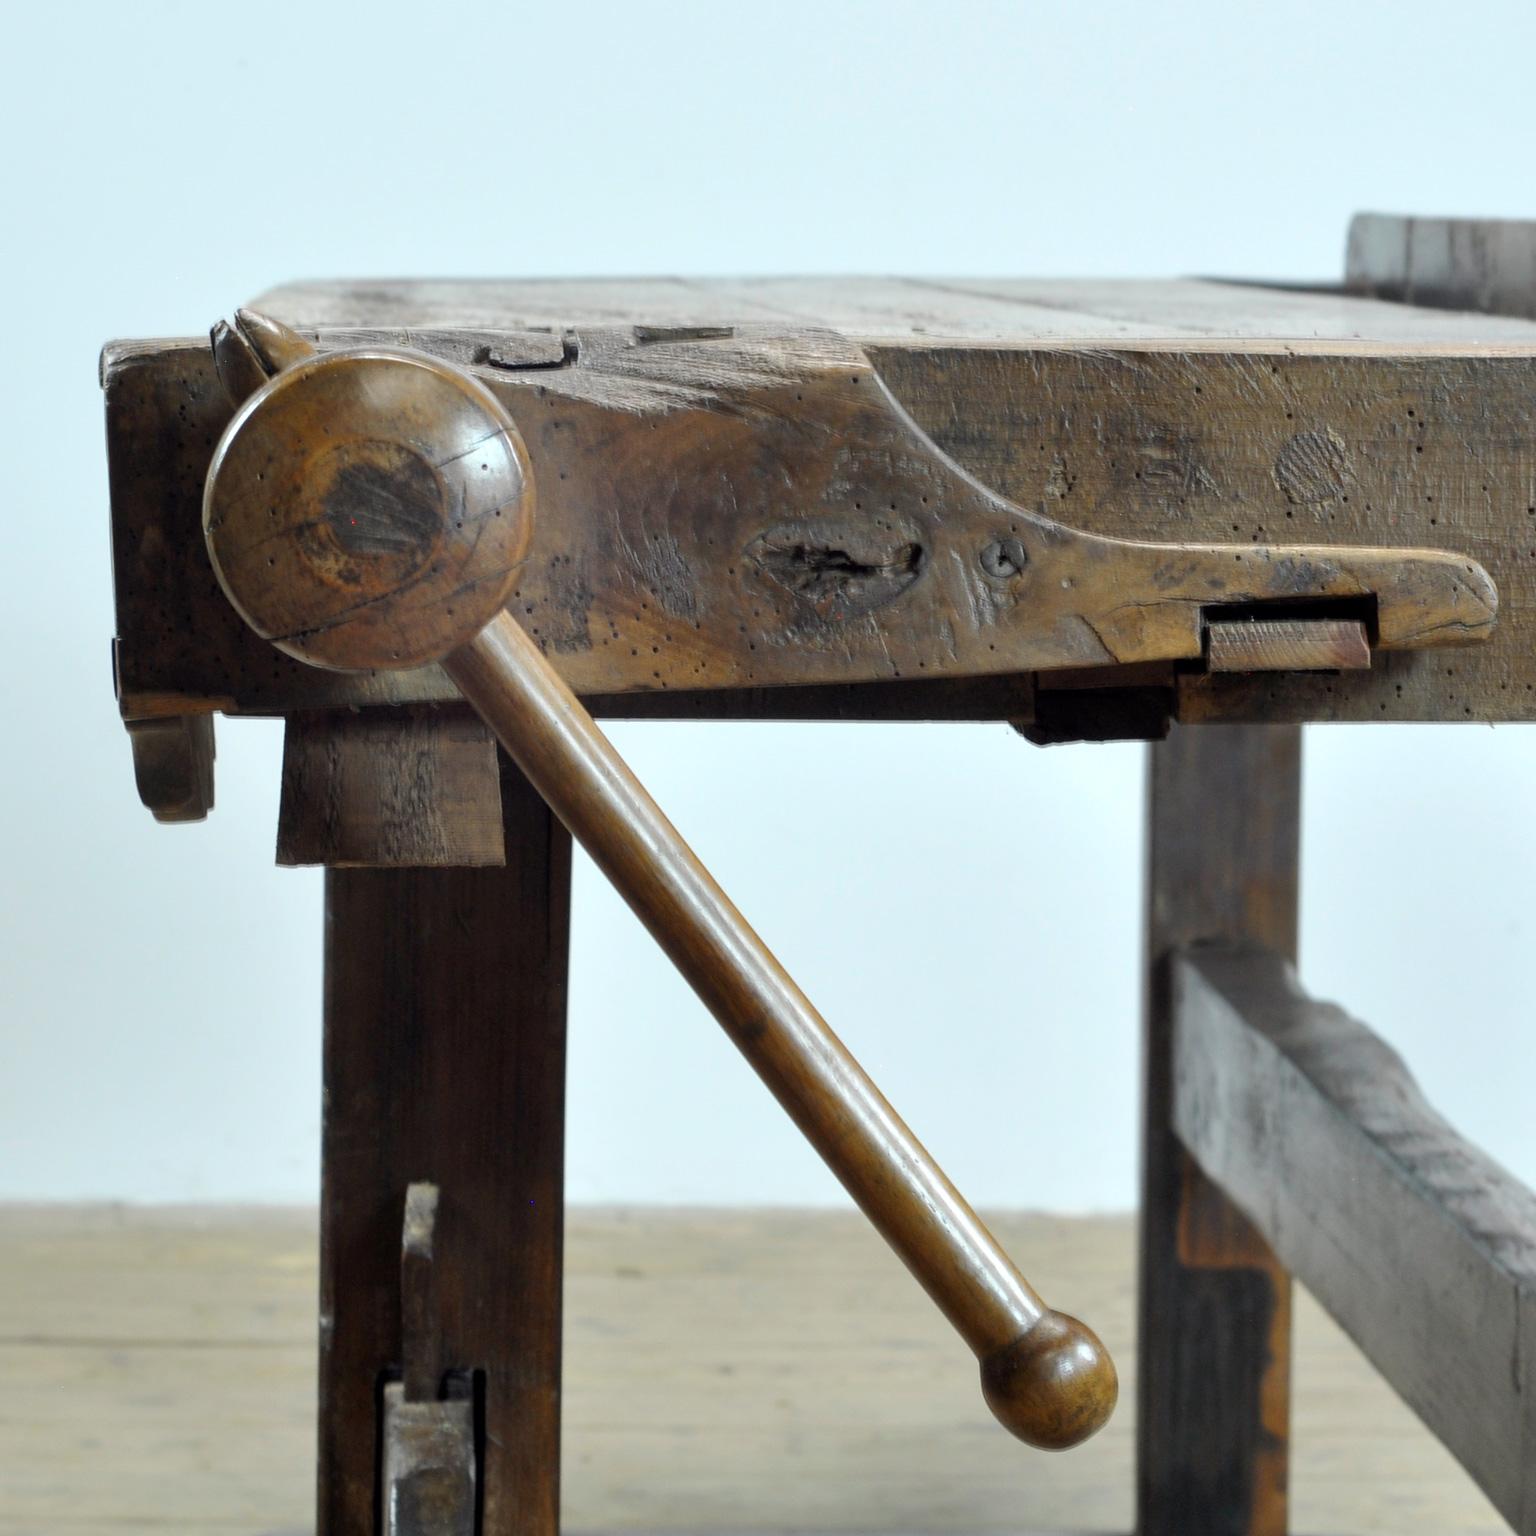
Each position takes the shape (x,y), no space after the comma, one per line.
(1239,445)
(1423,1248)
(390,788)
(1343,438)
(370,508)
(442,1067)
(341,527)
(1288,645)
(160,1376)
(897,309)
(1484,265)
(1215,1303)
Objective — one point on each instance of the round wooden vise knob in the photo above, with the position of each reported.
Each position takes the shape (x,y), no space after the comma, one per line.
(368,510)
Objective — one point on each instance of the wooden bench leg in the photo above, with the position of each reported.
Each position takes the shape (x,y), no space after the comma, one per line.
(1215,1304)
(441,1067)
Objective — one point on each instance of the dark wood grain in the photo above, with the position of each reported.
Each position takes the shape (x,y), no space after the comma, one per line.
(320,590)
(417,557)
(1215,1302)
(1396,448)
(764,480)
(1423,1248)
(441,1066)
(1009,697)
(390,788)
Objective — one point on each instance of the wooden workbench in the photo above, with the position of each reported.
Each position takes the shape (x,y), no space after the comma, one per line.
(1198,513)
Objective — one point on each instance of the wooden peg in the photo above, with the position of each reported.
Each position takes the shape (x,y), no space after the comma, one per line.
(237,363)
(277,345)
(1288,645)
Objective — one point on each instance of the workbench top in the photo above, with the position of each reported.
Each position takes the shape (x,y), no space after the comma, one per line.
(1004,311)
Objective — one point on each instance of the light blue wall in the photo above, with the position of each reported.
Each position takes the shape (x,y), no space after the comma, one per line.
(963,907)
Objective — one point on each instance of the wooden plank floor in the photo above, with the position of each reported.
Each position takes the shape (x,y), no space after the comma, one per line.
(743,1371)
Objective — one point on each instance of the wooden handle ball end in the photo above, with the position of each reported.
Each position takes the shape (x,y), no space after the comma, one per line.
(1054,1386)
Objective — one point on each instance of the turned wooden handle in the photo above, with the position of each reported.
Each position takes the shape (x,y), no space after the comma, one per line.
(1045,1375)
(369,509)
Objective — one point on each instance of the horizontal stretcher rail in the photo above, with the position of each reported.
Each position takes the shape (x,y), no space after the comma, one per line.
(1421,1246)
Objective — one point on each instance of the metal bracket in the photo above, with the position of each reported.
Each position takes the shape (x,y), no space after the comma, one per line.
(429,1469)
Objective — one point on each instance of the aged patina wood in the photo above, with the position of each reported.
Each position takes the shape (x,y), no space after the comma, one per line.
(442,1068)
(1213,1404)
(367,509)
(390,788)
(1287,645)
(1356,437)
(1396,448)
(1354,422)
(897,309)
(1422,1247)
